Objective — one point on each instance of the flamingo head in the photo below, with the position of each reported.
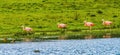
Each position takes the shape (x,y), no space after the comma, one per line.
(85,21)
(102,19)
(58,23)
(22,26)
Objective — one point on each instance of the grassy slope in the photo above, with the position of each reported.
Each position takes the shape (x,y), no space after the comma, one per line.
(45,14)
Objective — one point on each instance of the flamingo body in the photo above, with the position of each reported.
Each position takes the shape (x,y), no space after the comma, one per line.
(107,23)
(27,29)
(89,24)
(62,25)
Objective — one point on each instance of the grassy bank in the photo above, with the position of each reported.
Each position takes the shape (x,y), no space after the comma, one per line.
(69,34)
(43,15)
(57,35)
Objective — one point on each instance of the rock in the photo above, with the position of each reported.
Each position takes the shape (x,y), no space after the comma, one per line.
(37,51)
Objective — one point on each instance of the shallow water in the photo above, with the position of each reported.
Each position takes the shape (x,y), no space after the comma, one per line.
(110,46)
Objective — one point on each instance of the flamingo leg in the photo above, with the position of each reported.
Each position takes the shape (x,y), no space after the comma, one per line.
(28,33)
(110,28)
(62,31)
(90,28)
(105,29)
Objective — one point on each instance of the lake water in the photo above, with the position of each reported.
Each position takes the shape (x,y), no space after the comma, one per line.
(108,46)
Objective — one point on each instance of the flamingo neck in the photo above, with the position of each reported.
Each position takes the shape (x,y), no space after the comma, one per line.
(85,21)
(23,27)
(103,20)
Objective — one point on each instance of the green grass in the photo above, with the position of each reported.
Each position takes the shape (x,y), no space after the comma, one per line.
(43,15)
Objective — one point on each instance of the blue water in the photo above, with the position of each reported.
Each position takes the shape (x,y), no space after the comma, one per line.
(64,47)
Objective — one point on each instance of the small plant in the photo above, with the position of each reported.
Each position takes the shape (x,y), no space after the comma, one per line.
(115,16)
(99,12)
(93,15)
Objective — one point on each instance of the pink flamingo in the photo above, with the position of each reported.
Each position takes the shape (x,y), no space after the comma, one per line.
(106,23)
(62,26)
(88,24)
(27,29)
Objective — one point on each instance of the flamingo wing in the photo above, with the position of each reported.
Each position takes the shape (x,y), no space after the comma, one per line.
(89,24)
(28,29)
(62,26)
(107,23)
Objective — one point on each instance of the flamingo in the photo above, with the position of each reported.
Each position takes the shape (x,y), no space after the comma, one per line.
(27,29)
(62,26)
(88,24)
(106,23)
